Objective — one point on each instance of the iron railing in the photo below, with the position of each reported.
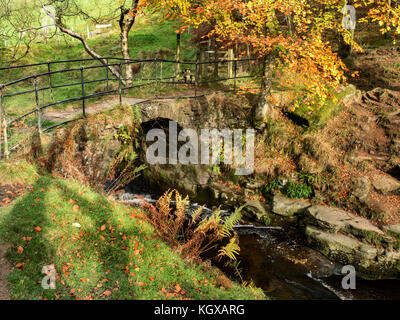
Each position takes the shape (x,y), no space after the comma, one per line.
(150,73)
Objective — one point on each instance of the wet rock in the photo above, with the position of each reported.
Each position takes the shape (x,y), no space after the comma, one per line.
(258,209)
(369,261)
(385,183)
(288,207)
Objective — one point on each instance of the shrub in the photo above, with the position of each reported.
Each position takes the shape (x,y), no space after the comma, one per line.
(298,190)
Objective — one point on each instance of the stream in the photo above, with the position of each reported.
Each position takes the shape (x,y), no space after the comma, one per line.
(283,268)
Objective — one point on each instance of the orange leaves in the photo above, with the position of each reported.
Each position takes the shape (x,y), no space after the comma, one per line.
(75,208)
(103,227)
(38,229)
(20,249)
(177,288)
(84,279)
(106,293)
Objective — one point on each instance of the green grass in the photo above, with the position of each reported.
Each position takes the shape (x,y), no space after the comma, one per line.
(113,255)
(151,37)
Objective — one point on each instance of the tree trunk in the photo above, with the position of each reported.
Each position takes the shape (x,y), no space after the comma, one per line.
(125,53)
(127,19)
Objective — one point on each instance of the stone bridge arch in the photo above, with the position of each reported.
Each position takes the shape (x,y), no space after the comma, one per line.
(215,111)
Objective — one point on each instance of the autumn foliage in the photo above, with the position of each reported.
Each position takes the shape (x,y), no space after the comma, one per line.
(297,36)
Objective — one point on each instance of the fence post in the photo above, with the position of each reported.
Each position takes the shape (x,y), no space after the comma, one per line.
(38,115)
(120,84)
(3,125)
(50,82)
(230,63)
(108,88)
(215,61)
(83,94)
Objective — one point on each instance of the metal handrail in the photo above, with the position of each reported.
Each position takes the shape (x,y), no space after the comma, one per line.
(149,81)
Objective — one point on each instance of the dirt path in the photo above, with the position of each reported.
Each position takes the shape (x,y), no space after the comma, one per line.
(5,269)
(105,105)
(63,115)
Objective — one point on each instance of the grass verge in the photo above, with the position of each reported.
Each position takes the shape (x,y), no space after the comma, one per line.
(112,255)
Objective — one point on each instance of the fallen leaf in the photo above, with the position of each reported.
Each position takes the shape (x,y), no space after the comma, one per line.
(38,229)
(107,293)
(20,250)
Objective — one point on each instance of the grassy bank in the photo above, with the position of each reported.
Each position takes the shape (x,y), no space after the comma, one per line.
(114,254)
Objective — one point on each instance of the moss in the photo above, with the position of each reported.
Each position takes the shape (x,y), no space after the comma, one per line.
(320,115)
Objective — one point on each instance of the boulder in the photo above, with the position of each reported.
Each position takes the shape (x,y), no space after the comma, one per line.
(288,207)
(385,184)
(258,209)
(334,219)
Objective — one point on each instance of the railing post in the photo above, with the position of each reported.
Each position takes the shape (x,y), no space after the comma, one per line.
(38,115)
(161,71)
(108,87)
(120,84)
(83,94)
(196,77)
(156,74)
(50,82)
(235,74)
(3,125)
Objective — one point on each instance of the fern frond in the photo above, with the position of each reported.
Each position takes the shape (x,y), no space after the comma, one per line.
(231,250)
(196,215)
(230,222)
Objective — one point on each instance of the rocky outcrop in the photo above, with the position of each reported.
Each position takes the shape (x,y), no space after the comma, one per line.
(352,240)
(370,262)
(288,207)
(385,183)
(345,238)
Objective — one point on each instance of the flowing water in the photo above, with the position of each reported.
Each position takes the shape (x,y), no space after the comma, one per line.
(283,268)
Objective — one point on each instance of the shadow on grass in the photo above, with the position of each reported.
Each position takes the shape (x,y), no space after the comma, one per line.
(83,257)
